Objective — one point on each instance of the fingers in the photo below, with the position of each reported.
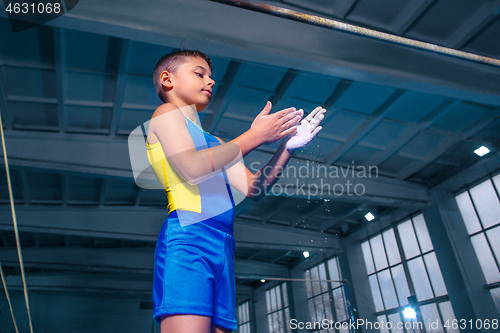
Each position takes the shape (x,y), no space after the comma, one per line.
(266,108)
(291,120)
(317,119)
(289,131)
(313,113)
(316,131)
(285,112)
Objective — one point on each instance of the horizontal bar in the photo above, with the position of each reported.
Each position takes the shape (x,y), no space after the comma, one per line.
(355,30)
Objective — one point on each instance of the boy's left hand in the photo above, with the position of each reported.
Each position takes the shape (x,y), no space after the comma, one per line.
(307,130)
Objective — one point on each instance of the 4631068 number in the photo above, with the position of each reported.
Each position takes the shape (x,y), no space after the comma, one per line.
(40,8)
(471,324)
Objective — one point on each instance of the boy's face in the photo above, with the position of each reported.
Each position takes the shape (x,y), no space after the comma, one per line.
(193,83)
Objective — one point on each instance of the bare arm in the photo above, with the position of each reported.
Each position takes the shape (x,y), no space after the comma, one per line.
(254,186)
(169,125)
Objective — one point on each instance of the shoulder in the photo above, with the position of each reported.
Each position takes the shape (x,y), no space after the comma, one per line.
(170,115)
(164,108)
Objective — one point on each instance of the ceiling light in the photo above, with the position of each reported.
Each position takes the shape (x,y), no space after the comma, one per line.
(262,280)
(369,216)
(481,151)
(305,254)
(410,313)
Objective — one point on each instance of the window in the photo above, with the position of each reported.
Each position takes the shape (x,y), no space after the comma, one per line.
(244,317)
(322,296)
(480,209)
(402,259)
(278,312)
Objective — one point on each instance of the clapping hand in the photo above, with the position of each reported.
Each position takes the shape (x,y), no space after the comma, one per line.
(307,130)
(268,127)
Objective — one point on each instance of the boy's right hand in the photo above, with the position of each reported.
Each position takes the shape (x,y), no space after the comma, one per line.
(269,128)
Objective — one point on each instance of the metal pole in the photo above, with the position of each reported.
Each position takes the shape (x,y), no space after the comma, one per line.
(355,30)
(284,279)
(349,308)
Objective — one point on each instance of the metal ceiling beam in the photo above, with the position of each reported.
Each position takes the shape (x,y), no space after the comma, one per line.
(140,224)
(219,103)
(409,15)
(359,31)
(363,128)
(36,239)
(346,8)
(6,112)
(65,188)
(375,192)
(136,260)
(253,255)
(132,260)
(104,191)
(244,267)
(277,204)
(450,141)
(299,219)
(472,170)
(138,197)
(119,87)
(283,86)
(271,237)
(105,282)
(62,82)
(109,158)
(412,131)
(328,224)
(261,44)
(484,15)
(280,257)
(25,189)
(339,90)
(4,239)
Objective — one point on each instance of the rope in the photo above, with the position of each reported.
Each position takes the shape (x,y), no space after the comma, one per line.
(8,298)
(355,30)
(16,232)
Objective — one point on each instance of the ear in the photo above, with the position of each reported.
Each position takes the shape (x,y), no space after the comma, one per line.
(166,80)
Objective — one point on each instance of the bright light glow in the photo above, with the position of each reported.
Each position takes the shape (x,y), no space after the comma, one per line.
(369,216)
(481,151)
(409,313)
(262,280)
(305,254)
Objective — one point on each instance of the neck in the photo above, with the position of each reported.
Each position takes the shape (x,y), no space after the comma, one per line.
(191,113)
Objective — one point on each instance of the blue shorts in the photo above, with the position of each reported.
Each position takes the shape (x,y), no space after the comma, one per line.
(194,272)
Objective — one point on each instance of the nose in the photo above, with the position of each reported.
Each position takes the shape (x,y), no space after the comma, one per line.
(211,82)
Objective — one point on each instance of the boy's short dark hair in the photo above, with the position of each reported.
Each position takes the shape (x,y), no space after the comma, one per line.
(171,62)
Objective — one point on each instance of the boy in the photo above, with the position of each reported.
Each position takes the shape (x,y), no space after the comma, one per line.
(194,285)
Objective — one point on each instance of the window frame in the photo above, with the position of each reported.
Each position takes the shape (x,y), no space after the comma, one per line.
(286,328)
(247,302)
(330,290)
(489,285)
(404,263)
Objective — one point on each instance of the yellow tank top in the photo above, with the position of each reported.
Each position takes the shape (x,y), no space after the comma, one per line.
(180,194)
(209,198)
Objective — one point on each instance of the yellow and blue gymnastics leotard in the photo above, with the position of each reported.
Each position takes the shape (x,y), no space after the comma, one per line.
(194,256)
